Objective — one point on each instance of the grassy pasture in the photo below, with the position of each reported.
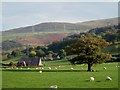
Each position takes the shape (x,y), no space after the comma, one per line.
(63,76)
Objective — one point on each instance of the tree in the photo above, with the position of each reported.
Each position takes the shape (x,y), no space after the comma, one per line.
(9,55)
(40,53)
(88,50)
(15,53)
(32,54)
(62,53)
(11,63)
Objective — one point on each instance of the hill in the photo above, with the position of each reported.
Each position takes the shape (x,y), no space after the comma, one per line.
(109,33)
(7,45)
(46,33)
(64,26)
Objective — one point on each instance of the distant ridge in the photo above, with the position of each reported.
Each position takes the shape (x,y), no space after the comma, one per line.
(64,26)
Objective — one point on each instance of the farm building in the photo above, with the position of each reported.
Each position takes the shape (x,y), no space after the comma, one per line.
(30,62)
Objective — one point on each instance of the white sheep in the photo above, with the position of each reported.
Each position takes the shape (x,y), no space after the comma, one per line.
(42,68)
(104,68)
(92,78)
(40,71)
(20,68)
(49,68)
(28,68)
(55,67)
(54,87)
(72,68)
(36,68)
(117,66)
(108,78)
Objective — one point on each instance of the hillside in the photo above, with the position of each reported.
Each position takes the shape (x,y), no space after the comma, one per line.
(109,33)
(64,26)
(46,33)
(43,39)
(9,44)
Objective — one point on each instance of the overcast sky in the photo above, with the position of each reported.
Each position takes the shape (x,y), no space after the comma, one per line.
(21,14)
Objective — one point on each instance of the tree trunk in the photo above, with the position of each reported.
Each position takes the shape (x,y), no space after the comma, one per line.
(89,67)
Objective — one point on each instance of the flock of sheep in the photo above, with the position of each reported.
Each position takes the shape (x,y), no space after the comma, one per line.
(90,79)
(55,86)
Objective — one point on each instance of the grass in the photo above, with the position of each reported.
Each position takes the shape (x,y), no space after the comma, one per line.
(17,78)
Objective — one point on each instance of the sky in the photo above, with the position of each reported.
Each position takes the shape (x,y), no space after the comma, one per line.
(21,14)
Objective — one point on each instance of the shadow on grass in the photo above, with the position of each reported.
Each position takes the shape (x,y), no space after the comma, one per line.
(44,70)
(60,89)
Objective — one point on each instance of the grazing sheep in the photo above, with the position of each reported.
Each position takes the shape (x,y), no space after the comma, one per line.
(42,68)
(55,67)
(49,68)
(28,68)
(59,66)
(54,87)
(92,78)
(36,68)
(117,66)
(72,68)
(104,68)
(20,68)
(108,78)
(16,68)
(40,71)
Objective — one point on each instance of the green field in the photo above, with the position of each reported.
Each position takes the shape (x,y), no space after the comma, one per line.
(63,76)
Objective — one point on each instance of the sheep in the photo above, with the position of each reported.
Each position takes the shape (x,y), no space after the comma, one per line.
(40,71)
(59,66)
(72,68)
(36,68)
(104,68)
(108,78)
(117,66)
(54,87)
(92,78)
(55,67)
(20,68)
(28,68)
(49,68)
(42,68)
(16,68)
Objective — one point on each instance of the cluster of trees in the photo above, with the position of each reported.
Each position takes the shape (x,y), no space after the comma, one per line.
(39,51)
(14,53)
(57,46)
(109,33)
